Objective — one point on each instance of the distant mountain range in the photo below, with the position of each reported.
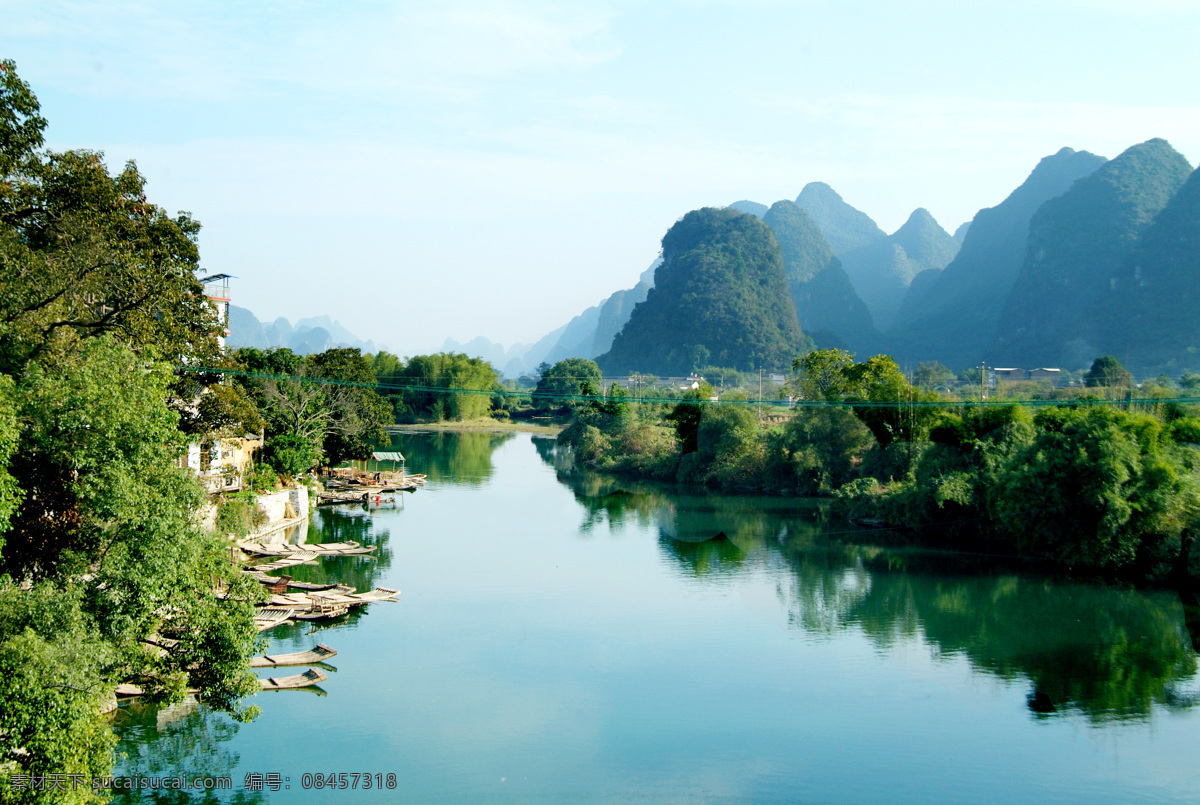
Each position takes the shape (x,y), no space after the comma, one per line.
(587,335)
(308,336)
(1086,257)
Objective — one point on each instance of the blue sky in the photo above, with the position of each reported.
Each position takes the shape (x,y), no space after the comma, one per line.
(424,170)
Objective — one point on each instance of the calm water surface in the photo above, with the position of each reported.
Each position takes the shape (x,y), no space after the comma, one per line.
(581,640)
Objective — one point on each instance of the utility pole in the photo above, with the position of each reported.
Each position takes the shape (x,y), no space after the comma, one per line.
(983,381)
(760,394)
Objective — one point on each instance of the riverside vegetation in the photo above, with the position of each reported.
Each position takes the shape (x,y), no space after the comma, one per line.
(109,366)
(100,548)
(1084,482)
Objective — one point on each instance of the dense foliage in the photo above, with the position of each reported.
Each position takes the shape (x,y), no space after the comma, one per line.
(438,387)
(1095,486)
(101,552)
(562,385)
(320,408)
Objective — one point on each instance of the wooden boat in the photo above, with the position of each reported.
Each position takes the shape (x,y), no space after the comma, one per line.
(321,607)
(290,561)
(300,603)
(320,653)
(292,584)
(270,617)
(285,550)
(313,676)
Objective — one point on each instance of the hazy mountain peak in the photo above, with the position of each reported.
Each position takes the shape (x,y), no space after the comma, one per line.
(751,207)
(924,240)
(1063,300)
(845,227)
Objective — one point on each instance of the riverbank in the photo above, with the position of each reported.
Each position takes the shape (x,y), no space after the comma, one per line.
(545,427)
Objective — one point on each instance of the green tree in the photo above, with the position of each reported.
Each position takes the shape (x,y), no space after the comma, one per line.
(932,374)
(1107,372)
(823,374)
(820,449)
(442,386)
(99,545)
(10,491)
(357,414)
(1097,486)
(562,385)
(322,405)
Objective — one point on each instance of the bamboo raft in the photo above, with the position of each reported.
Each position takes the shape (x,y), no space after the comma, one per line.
(291,561)
(279,584)
(305,600)
(313,676)
(319,606)
(362,491)
(270,617)
(285,550)
(320,653)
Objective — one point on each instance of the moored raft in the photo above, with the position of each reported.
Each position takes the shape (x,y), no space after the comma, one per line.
(319,653)
(270,617)
(313,676)
(313,606)
(291,584)
(286,550)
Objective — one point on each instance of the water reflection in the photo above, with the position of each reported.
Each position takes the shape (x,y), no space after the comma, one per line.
(1106,653)
(450,457)
(184,741)
(343,524)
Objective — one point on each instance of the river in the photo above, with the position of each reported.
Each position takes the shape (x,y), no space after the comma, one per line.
(583,640)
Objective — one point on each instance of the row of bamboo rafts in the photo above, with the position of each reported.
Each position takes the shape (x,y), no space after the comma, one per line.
(313,676)
(317,606)
(306,551)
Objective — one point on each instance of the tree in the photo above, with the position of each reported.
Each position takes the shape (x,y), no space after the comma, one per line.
(932,374)
(106,539)
(357,413)
(832,374)
(823,374)
(442,386)
(99,545)
(563,384)
(314,406)
(1107,372)
(86,254)
(1097,486)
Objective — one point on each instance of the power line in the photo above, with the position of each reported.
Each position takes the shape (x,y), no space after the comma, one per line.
(676,400)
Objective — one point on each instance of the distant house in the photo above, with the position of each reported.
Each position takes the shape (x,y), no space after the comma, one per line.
(1053,375)
(1008,374)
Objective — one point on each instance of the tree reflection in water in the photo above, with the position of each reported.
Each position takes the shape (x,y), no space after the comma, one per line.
(462,458)
(185,741)
(1106,653)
